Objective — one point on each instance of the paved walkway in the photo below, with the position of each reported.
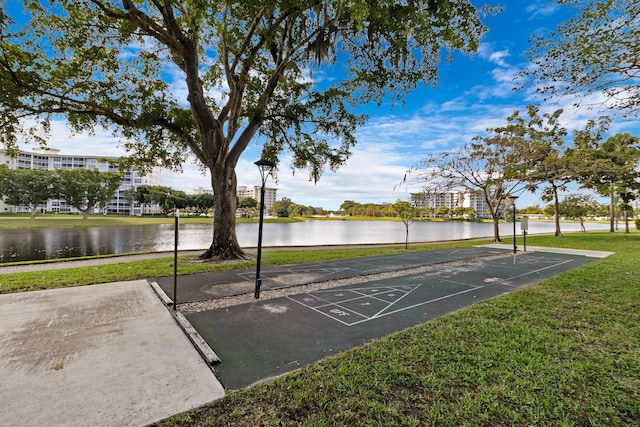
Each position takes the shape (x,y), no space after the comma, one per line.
(101,355)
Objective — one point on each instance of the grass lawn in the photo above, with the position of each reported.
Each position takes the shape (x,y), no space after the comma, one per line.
(565,351)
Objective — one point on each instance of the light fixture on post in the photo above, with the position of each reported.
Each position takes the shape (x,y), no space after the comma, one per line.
(266,168)
(513,203)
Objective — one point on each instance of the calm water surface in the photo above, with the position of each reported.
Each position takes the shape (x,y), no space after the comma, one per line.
(38,244)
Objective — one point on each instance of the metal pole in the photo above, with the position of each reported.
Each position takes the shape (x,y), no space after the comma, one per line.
(258,279)
(515,248)
(175,260)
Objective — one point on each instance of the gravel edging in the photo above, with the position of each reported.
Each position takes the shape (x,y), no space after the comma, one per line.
(212,304)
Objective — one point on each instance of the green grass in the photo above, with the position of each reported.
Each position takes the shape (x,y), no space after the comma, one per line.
(563,352)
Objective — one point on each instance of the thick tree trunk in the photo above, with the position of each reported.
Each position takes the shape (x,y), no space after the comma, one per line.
(225,243)
(33,211)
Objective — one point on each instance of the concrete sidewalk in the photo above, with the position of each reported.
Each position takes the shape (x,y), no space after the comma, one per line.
(550,250)
(100,355)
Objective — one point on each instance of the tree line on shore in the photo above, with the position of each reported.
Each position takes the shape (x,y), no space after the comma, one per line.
(83,189)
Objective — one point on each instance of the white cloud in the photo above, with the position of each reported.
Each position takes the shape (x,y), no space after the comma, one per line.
(486,51)
(541,8)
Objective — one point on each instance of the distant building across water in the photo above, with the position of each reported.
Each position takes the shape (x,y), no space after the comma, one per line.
(52,159)
(451,199)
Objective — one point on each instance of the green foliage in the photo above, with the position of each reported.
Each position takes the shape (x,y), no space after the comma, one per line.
(104,63)
(168,198)
(610,163)
(594,52)
(204,201)
(281,207)
(30,187)
(529,153)
(578,206)
(494,166)
(86,189)
(285,208)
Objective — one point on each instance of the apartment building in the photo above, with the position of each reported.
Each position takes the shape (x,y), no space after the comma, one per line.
(451,199)
(270,194)
(52,159)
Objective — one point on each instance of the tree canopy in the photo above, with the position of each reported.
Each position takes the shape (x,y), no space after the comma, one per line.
(86,189)
(29,187)
(182,77)
(610,167)
(595,52)
(541,149)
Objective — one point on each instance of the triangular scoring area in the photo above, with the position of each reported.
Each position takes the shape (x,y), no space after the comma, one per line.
(355,305)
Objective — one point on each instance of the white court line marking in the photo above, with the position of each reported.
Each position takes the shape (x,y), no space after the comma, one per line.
(391,305)
(462,284)
(415,286)
(327,314)
(380,313)
(363,296)
(541,269)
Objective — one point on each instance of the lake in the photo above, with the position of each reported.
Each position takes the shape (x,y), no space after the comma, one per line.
(39,244)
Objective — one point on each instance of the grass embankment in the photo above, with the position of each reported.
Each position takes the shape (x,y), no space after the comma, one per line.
(565,351)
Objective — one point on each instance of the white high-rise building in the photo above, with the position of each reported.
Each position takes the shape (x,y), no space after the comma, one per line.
(254,192)
(51,159)
(452,199)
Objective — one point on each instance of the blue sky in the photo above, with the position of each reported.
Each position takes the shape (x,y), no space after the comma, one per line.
(474,93)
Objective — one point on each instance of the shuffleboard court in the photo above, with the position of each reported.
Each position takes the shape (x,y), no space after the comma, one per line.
(262,339)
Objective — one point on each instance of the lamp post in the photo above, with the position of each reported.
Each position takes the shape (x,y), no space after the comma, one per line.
(175,260)
(266,167)
(513,202)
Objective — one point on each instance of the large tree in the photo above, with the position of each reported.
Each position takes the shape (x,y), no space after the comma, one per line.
(609,167)
(594,52)
(86,189)
(245,68)
(539,140)
(29,187)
